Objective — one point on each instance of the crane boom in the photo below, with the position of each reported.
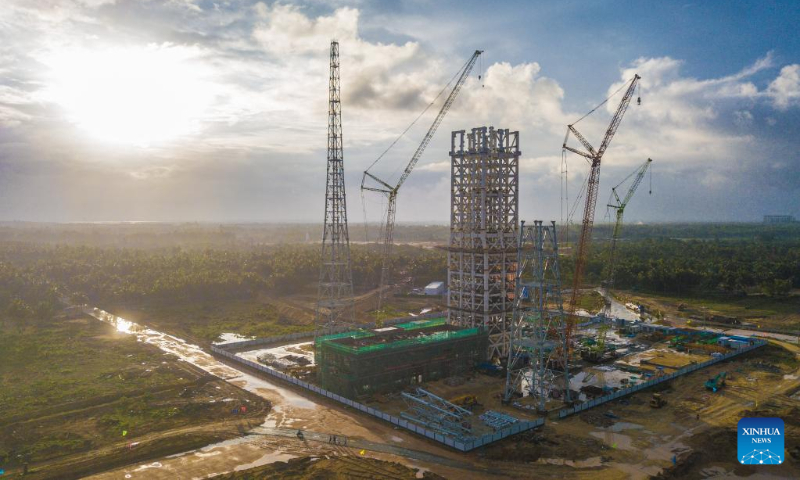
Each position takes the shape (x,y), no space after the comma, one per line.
(391,191)
(439,117)
(591,195)
(620,208)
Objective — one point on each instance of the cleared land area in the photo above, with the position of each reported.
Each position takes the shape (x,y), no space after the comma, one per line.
(80,397)
(75,384)
(755,311)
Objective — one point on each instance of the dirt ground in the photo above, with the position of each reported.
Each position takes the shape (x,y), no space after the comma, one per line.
(622,439)
(266,316)
(487,388)
(632,441)
(80,397)
(342,467)
(778,314)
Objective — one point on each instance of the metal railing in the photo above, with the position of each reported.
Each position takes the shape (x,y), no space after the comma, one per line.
(641,386)
(463,446)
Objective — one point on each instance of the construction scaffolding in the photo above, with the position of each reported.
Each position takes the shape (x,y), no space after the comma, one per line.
(537,364)
(335,290)
(482,254)
(388,359)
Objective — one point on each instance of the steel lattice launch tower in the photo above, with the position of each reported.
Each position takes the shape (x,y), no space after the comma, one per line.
(484,226)
(335,295)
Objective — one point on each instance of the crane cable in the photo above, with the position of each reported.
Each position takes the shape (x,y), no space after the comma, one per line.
(418,116)
(603,103)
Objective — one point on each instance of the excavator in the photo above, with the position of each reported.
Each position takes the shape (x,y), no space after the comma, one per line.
(715,383)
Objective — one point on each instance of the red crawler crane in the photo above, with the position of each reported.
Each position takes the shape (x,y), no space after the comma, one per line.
(593,156)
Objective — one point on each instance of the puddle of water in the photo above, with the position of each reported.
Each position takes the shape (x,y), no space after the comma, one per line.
(615,440)
(150,465)
(231,337)
(587,463)
(265,459)
(620,426)
(280,352)
(199,358)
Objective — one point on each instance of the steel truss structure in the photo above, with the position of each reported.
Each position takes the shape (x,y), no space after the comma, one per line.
(430,411)
(335,292)
(484,218)
(537,364)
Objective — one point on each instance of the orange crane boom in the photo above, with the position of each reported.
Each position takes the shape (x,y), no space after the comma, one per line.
(594,157)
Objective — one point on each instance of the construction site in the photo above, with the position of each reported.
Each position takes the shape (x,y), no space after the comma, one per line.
(513,349)
(399,240)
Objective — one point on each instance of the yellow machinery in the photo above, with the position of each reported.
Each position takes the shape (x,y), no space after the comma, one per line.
(466,401)
(657,401)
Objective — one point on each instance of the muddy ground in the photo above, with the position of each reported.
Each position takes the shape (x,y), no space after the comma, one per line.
(80,397)
(332,468)
(622,439)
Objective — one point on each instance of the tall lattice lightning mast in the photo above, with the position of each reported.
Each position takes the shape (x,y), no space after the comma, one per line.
(538,356)
(335,294)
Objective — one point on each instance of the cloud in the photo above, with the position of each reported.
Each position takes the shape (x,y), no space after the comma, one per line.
(285,30)
(785,90)
(256,77)
(742,118)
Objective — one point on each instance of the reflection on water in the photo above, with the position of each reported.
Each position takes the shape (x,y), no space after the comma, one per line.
(196,356)
(617,310)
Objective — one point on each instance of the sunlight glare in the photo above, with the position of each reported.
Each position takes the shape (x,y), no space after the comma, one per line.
(131,95)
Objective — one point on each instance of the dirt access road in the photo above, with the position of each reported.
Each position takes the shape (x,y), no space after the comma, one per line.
(639,446)
(290,410)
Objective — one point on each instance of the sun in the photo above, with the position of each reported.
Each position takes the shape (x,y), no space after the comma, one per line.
(139,95)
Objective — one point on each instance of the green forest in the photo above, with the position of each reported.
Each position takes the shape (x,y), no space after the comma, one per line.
(32,276)
(686,267)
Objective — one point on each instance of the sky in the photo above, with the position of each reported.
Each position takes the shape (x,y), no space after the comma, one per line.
(216,111)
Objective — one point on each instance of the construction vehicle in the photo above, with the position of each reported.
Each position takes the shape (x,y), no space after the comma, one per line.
(619,206)
(370,182)
(657,401)
(595,349)
(489,368)
(592,184)
(715,383)
(467,401)
(678,343)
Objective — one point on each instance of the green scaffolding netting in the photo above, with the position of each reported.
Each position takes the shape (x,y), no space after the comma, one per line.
(416,324)
(420,340)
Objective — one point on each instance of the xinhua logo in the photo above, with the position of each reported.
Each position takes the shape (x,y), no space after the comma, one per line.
(760,441)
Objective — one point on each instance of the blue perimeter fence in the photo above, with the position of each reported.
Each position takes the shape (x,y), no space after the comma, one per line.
(226,350)
(463,446)
(665,378)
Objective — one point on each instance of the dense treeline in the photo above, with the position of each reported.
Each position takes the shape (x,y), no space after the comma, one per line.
(233,236)
(92,274)
(30,275)
(202,235)
(697,231)
(694,266)
(25,296)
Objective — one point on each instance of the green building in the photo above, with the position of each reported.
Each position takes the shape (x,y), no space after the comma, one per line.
(388,359)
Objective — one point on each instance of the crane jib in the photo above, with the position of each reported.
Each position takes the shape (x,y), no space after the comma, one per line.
(391,192)
(591,193)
